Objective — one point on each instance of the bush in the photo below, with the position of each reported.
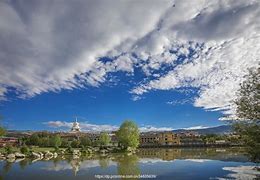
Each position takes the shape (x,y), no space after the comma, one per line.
(9,149)
(69,149)
(24,150)
(56,149)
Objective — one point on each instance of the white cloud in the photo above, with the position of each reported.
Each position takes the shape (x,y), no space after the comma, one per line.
(47,47)
(89,127)
(85,126)
(153,128)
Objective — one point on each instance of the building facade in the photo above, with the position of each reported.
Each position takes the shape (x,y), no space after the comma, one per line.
(159,139)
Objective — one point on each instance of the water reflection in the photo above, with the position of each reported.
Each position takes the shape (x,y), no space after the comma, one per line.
(162,162)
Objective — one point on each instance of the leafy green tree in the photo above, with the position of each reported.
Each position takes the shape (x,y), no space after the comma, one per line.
(65,142)
(34,139)
(55,141)
(85,141)
(104,139)
(75,143)
(248,112)
(2,131)
(128,134)
(24,150)
(9,149)
(69,149)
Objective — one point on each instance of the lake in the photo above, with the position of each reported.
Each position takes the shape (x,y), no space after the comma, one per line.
(156,163)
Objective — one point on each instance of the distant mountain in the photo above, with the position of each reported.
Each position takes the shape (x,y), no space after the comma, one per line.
(224,129)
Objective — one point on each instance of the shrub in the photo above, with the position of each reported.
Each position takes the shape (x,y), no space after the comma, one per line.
(9,149)
(24,150)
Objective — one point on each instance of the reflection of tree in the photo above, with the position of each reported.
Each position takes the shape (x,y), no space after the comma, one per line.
(24,163)
(7,167)
(128,165)
(56,161)
(104,162)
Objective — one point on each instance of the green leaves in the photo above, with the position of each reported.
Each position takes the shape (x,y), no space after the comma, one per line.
(128,134)
(248,110)
(104,139)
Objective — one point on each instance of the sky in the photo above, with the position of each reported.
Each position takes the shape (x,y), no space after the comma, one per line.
(165,64)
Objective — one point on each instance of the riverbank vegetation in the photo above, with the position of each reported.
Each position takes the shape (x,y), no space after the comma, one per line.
(248,114)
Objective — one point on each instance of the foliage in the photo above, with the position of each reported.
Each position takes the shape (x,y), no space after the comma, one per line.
(24,150)
(65,142)
(75,144)
(2,131)
(85,141)
(69,149)
(248,112)
(9,149)
(104,139)
(248,102)
(128,134)
(55,141)
(250,133)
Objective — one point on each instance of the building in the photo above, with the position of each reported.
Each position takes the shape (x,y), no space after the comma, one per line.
(8,141)
(75,127)
(159,138)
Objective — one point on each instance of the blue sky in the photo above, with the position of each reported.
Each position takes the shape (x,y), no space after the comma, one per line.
(106,61)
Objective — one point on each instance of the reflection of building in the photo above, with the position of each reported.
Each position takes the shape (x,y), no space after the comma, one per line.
(75,164)
(75,127)
(161,153)
(159,138)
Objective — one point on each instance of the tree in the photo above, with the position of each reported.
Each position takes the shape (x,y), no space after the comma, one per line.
(34,139)
(248,101)
(85,141)
(55,141)
(75,143)
(128,134)
(248,112)
(104,139)
(2,129)
(24,150)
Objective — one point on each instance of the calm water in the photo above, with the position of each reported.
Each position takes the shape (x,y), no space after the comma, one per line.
(230,163)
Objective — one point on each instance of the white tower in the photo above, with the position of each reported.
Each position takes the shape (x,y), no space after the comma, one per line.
(75,126)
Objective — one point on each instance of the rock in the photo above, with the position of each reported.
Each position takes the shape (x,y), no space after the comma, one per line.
(76,152)
(129,149)
(103,151)
(75,156)
(10,156)
(48,155)
(55,155)
(41,154)
(36,155)
(19,155)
